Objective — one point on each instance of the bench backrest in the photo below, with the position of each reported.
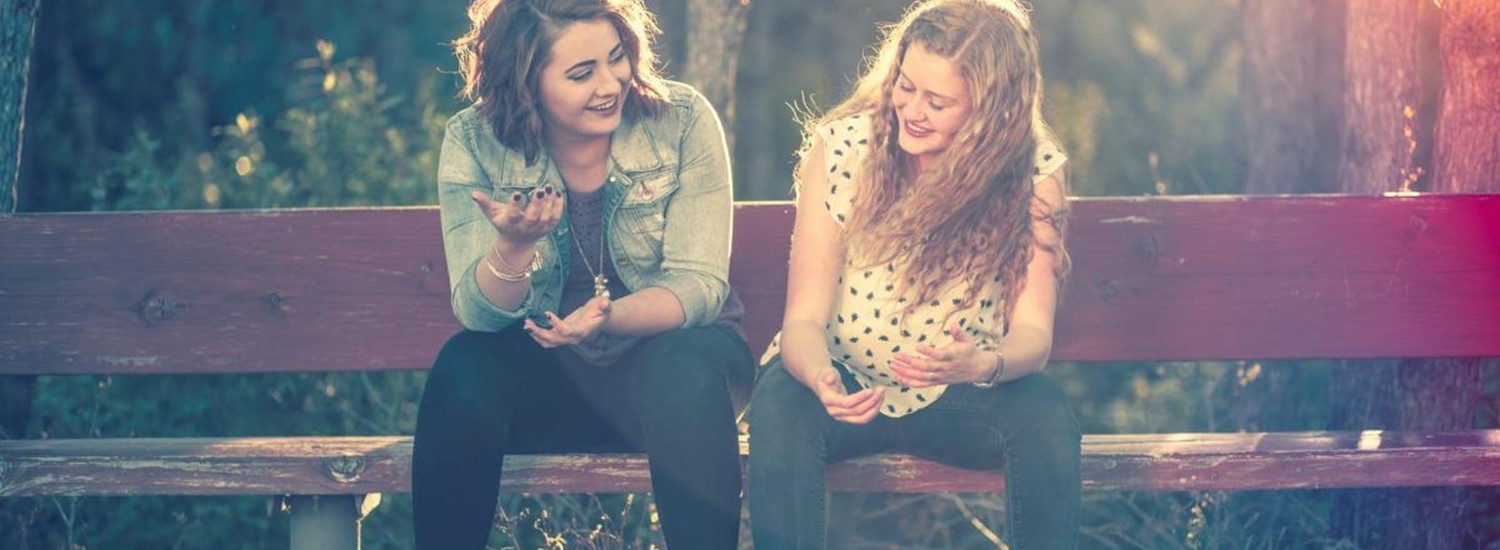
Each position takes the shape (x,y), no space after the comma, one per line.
(1196,278)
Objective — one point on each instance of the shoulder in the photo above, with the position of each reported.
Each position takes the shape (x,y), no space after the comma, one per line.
(464,123)
(846,131)
(684,103)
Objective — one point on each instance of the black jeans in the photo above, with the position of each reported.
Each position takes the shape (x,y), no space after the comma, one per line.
(1026,424)
(492,394)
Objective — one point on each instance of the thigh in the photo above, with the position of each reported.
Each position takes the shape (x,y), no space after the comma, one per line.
(970,427)
(683,371)
(548,411)
(781,402)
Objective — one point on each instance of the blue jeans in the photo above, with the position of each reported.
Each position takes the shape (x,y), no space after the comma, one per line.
(1025,426)
(493,394)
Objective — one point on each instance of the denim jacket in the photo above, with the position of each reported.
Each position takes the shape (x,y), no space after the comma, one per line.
(667,211)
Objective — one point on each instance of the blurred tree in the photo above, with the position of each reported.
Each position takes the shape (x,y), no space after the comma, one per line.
(16,36)
(1466,156)
(1381,134)
(17,29)
(715,35)
(1291,94)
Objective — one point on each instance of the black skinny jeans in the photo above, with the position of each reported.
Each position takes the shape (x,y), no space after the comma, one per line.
(492,394)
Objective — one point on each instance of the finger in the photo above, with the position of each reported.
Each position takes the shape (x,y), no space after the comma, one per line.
(829,380)
(537,333)
(552,208)
(872,402)
(845,403)
(531,212)
(922,364)
(915,376)
(557,207)
(561,327)
(867,416)
(602,304)
(932,352)
(958,333)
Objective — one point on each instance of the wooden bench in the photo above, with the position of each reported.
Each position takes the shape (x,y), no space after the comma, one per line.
(1156,279)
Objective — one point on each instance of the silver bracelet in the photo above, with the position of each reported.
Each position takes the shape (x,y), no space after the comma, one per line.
(999,365)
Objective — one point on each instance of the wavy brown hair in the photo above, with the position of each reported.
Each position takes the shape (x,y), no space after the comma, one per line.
(971,214)
(502,55)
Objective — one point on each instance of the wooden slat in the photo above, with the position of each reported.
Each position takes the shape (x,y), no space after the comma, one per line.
(1194,278)
(359,465)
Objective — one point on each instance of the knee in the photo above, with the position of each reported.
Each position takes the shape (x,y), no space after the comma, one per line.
(783,411)
(685,365)
(1044,407)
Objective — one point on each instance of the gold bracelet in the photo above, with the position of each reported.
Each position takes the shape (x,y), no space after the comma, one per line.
(536,264)
(536,259)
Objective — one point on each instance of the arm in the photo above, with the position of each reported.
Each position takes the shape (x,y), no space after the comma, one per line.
(695,247)
(482,236)
(817,258)
(1029,342)
(467,238)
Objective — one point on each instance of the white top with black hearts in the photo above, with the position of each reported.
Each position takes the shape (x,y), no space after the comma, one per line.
(867,330)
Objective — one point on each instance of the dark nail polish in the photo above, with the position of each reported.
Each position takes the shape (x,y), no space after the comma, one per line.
(515,197)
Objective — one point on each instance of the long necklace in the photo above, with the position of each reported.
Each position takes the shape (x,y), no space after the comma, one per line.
(601,283)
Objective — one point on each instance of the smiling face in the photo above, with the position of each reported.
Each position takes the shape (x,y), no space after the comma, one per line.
(585,82)
(931,100)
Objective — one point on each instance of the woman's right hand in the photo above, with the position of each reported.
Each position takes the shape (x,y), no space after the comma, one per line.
(519,225)
(857,408)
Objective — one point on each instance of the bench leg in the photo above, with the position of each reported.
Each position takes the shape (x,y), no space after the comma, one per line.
(320,522)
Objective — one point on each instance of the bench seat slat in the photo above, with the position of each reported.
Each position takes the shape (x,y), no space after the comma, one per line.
(1133,462)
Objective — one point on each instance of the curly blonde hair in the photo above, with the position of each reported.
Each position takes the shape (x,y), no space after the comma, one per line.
(973,217)
(502,55)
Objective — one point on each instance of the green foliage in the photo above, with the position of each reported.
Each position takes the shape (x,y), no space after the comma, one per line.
(343,141)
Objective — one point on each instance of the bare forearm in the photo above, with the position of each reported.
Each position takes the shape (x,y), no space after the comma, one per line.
(804,351)
(1025,351)
(509,260)
(650,310)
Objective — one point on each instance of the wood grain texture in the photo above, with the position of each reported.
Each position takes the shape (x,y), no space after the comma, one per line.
(1198,278)
(361,465)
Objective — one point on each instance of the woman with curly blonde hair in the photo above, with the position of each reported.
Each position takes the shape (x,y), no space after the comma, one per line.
(925,268)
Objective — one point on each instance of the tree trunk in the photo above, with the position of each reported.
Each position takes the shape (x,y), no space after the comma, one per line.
(1291,94)
(716,32)
(1466,156)
(17,26)
(1381,137)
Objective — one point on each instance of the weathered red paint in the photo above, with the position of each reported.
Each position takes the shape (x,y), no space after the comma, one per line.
(1198,278)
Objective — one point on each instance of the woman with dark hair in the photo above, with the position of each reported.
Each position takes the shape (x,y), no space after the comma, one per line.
(925,264)
(586,205)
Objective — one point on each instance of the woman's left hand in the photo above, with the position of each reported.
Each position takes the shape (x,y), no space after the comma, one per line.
(579,326)
(956,363)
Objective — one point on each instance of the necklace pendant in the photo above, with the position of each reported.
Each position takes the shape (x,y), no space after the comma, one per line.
(601,285)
